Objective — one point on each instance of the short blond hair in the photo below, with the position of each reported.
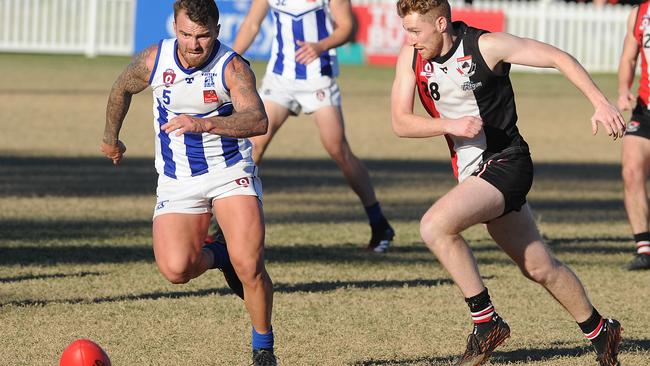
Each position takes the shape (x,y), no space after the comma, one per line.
(435,8)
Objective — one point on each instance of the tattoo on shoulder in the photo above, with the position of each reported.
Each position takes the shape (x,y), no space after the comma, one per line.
(135,77)
(245,79)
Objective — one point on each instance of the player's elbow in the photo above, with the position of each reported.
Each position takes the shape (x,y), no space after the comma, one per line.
(262,125)
(399,129)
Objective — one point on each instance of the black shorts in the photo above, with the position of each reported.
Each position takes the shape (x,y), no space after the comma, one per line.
(639,124)
(511,172)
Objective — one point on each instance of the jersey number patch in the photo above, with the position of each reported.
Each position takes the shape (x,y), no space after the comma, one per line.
(431,90)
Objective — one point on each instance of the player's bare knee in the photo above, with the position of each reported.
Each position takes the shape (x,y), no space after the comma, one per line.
(177,272)
(542,272)
(632,176)
(177,278)
(434,226)
(249,271)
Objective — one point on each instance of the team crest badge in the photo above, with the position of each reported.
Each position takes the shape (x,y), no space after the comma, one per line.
(466,67)
(210,96)
(244,182)
(169,76)
(427,70)
(633,126)
(645,22)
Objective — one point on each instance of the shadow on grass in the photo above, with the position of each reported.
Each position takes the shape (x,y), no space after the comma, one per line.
(90,177)
(30,277)
(311,287)
(520,355)
(86,254)
(400,254)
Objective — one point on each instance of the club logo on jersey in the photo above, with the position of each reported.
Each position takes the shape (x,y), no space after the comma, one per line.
(169,76)
(210,96)
(466,67)
(320,95)
(633,126)
(645,22)
(244,182)
(427,71)
(209,81)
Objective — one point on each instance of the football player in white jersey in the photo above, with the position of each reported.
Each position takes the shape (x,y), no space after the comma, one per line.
(461,74)
(300,76)
(205,109)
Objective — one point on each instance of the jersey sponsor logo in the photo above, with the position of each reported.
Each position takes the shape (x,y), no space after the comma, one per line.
(244,182)
(444,69)
(466,67)
(189,80)
(470,86)
(633,126)
(169,76)
(210,96)
(160,205)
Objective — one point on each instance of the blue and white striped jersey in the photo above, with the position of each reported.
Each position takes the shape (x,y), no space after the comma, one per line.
(201,92)
(301,20)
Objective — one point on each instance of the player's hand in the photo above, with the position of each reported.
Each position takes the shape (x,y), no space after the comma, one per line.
(307,52)
(625,101)
(185,124)
(611,119)
(467,127)
(113,152)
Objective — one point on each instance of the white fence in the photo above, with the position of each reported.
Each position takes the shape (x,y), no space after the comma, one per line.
(594,35)
(89,27)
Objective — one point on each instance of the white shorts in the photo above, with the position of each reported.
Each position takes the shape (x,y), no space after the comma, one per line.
(297,95)
(194,195)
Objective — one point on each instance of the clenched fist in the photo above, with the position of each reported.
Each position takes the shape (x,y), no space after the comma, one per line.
(114,152)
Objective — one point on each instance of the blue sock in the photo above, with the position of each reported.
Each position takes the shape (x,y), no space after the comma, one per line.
(374,213)
(220,254)
(263,341)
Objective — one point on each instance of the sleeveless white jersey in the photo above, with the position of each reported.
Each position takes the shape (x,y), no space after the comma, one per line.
(200,92)
(301,20)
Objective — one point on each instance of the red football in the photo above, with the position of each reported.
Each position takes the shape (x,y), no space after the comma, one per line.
(84,352)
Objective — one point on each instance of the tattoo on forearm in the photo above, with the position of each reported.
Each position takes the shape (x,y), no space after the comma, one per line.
(134,79)
(249,118)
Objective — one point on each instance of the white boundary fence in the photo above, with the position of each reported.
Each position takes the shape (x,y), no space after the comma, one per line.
(594,35)
(89,27)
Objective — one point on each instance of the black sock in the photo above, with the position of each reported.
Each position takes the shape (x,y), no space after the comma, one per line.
(482,311)
(375,215)
(219,253)
(642,242)
(593,330)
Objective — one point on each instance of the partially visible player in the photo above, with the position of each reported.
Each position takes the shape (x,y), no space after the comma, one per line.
(461,75)
(636,142)
(205,108)
(301,75)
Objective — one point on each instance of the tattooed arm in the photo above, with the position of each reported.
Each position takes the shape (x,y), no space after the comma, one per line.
(134,79)
(248,118)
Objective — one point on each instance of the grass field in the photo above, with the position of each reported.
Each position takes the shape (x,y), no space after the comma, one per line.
(75,236)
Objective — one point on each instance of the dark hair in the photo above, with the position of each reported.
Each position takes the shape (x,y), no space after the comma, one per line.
(202,12)
(423,7)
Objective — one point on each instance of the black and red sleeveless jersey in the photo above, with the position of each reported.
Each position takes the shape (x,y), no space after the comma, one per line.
(642,36)
(459,84)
